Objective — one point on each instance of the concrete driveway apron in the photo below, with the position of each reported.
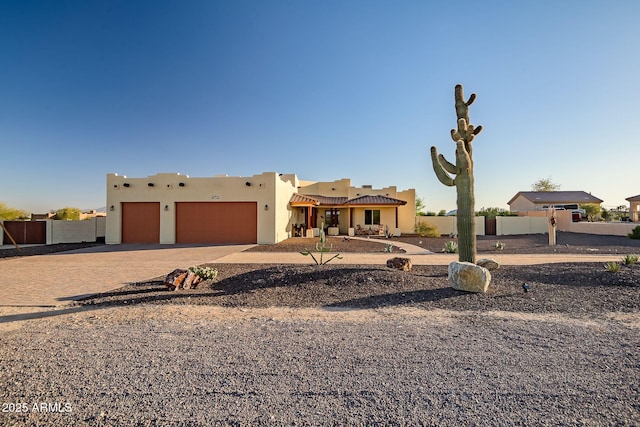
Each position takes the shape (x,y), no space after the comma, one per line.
(58,279)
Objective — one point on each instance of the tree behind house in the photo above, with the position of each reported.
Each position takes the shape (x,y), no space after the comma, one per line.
(545,184)
(69,214)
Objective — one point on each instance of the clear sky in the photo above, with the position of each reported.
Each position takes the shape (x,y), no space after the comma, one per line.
(325,89)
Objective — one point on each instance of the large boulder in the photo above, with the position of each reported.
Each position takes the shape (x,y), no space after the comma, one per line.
(465,276)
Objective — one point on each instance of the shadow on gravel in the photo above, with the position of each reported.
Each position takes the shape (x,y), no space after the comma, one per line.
(573,274)
(400,298)
(288,276)
(41,314)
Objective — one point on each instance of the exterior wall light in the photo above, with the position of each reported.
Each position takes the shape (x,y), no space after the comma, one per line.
(112,208)
(266,207)
(126,184)
(150,184)
(166,207)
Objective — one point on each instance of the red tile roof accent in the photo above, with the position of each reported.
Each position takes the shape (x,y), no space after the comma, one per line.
(375,200)
(302,200)
(366,200)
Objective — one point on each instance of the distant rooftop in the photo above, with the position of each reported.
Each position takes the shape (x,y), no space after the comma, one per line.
(556,197)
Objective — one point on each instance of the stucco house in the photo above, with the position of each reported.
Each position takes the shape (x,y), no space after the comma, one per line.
(634,207)
(525,201)
(264,208)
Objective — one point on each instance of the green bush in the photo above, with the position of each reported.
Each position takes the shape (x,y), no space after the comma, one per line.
(424,229)
(635,233)
(612,267)
(205,273)
(629,260)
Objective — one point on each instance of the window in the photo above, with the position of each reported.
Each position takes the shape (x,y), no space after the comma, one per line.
(372,216)
(332,218)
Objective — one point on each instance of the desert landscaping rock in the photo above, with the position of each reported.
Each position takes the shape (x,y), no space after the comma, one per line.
(399,263)
(468,277)
(488,263)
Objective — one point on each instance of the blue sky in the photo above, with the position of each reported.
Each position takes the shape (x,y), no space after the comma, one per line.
(324,89)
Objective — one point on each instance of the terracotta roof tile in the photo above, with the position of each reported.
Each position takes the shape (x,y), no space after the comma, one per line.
(366,200)
(375,200)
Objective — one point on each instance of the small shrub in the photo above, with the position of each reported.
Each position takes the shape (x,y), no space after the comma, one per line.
(205,273)
(612,267)
(424,229)
(451,247)
(629,260)
(321,249)
(635,233)
(388,247)
(499,246)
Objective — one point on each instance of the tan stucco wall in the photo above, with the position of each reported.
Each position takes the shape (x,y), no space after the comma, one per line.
(407,213)
(521,204)
(448,225)
(272,220)
(338,188)
(507,225)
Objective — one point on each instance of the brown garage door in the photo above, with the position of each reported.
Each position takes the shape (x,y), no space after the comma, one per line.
(216,222)
(141,222)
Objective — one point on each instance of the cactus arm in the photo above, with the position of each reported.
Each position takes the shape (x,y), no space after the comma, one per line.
(471,99)
(447,165)
(463,157)
(442,175)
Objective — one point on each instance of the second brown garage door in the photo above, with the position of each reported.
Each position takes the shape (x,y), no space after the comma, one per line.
(141,222)
(217,222)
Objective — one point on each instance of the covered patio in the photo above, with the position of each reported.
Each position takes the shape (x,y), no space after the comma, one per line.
(362,215)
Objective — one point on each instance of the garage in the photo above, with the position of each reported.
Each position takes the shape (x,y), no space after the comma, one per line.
(217,222)
(141,222)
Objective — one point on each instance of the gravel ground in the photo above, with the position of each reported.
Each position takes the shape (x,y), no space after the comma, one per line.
(337,345)
(201,366)
(572,243)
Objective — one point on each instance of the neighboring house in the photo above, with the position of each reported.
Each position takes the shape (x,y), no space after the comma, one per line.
(525,201)
(91,214)
(634,206)
(265,208)
(38,217)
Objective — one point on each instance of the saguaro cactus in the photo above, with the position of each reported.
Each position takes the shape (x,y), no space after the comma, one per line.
(463,175)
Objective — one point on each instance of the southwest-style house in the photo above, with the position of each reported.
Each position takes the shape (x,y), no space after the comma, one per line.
(265,208)
(525,201)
